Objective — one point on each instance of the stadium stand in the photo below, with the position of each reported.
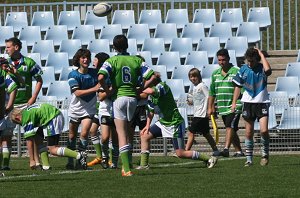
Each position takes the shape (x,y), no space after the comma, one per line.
(44,19)
(70,46)
(232,15)
(123,17)
(44,47)
(261,15)
(97,22)
(195,31)
(167,31)
(85,33)
(17,20)
(205,16)
(177,16)
(249,30)
(57,33)
(99,45)
(69,18)
(140,32)
(150,17)
(239,44)
(30,34)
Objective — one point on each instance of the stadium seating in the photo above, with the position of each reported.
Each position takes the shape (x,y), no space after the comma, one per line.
(177,16)
(261,15)
(298,56)
(239,44)
(177,87)
(132,46)
(232,58)
(85,33)
(197,58)
(69,18)
(181,72)
(30,34)
(60,89)
(44,19)
(209,44)
(97,22)
(147,56)
(123,17)
(169,59)
(272,123)
(58,61)
(205,16)
(150,17)
(293,69)
(17,20)
(70,46)
(99,45)
(44,47)
(6,33)
(48,76)
(162,69)
(167,31)
(221,30)
(289,84)
(110,31)
(250,30)
(154,45)
(140,32)
(208,70)
(36,57)
(279,100)
(65,73)
(57,33)
(232,15)
(290,118)
(24,49)
(182,45)
(195,31)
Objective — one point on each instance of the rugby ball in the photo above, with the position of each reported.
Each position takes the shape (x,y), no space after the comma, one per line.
(102,9)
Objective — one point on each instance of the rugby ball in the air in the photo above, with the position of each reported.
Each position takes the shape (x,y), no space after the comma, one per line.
(102,9)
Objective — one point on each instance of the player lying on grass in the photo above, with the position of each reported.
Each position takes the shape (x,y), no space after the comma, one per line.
(170,124)
(52,121)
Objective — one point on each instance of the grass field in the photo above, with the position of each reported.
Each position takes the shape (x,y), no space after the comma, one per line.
(168,177)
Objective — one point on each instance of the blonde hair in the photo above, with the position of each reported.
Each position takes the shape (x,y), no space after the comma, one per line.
(14,113)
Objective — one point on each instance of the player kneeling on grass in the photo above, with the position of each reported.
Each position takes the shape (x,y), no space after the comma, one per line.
(170,124)
(51,119)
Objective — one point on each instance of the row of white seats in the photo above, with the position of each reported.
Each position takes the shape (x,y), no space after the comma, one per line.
(72,19)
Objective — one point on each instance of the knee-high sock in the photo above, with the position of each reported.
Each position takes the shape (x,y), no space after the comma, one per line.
(6,152)
(43,150)
(145,158)
(199,156)
(124,151)
(105,149)
(115,154)
(265,141)
(72,146)
(97,145)
(249,144)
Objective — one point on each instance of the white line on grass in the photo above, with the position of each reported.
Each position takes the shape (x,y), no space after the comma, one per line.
(97,170)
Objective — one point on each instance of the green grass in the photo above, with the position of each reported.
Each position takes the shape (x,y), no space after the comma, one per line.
(168,177)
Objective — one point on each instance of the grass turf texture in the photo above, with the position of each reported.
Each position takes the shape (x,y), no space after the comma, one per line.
(168,177)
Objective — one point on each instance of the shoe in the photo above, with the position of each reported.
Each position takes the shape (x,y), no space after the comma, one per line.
(248,164)
(224,153)
(5,168)
(82,160)
(142,167)
(104,163)
(264,161)
(212,162)
(70,166)
(238,155)
(37,167)
(47,168)
(94,162)
(216,153)
(127,174)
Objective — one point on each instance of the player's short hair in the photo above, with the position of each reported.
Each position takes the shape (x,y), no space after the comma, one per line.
(15,41)
(81,53)
(120,43)
(14,113)
(195,72)
(223,52)
(251,54)
(102,57)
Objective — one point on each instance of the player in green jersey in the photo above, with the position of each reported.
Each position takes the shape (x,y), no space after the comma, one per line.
(221,90)
(51,119)
(170,124)
(24,70)
(123,71)
(8,86)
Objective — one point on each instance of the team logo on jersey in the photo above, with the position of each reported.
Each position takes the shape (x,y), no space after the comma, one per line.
(24,68)
(264,111)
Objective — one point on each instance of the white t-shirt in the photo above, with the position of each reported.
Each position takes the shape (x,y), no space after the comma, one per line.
(200,95)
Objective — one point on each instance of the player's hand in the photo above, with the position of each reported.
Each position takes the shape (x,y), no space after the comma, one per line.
(233,107)
(31,101)
(259,51)
(210,111)
(144,131)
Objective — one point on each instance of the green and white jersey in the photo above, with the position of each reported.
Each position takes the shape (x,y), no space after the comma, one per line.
(125,71)
(37,115)
(7,82)
(222,88)
(168,111)
(27,68)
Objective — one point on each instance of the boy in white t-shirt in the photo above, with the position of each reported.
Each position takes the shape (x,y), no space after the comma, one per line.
(198,97)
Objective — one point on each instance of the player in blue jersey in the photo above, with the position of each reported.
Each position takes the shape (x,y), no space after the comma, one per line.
(84,86)
(253,78)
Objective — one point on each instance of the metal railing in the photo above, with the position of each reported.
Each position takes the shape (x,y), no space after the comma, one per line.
(283,33)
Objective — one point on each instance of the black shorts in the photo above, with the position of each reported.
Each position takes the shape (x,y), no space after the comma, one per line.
(53,140)
(95,119)
(139,117)
(199,125)
(231,120)
(107,120)
(78,120)
(252,111)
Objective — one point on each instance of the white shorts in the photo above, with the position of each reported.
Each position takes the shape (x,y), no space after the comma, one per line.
(124,108)
(55,126)
(171,131)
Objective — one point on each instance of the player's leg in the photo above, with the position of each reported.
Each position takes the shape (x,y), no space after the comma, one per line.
(249,143)
(42,149)
(96,142)
(190,140)
(30,150)
(6,150)
(263,111)
(73,129)
(86,124)
(105,135)
(114,148)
